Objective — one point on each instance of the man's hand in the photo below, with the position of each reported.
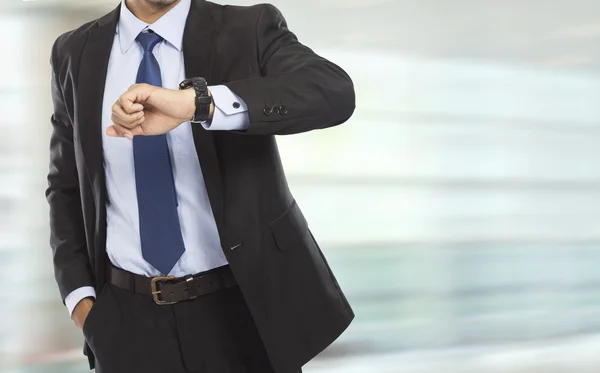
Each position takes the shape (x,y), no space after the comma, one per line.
(81,311)
(148,110)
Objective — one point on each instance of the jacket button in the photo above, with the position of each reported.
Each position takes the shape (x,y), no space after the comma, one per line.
(267,111)
(275,110)
(283,110)
(236,105)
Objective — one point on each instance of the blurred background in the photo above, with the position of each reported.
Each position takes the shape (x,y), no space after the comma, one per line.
(459,207)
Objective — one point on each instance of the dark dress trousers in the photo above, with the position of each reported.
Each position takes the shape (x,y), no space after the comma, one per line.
(292,296)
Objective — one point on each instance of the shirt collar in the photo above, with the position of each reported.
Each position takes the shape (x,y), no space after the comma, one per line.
(170,26)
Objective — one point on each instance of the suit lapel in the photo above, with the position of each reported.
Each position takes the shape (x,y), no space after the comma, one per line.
(198,40)
(92,79)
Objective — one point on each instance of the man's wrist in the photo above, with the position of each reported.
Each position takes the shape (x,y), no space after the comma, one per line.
(190,102)
(85,304)
(73,299)
(212,106)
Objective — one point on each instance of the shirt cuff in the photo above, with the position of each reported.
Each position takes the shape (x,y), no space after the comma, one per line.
(77,295)
(231,112)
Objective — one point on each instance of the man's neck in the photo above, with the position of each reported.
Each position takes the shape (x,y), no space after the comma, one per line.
(147,11)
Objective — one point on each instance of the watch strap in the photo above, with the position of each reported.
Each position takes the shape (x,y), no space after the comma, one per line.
(203,99)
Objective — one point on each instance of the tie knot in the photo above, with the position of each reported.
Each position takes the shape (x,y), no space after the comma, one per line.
(148,40)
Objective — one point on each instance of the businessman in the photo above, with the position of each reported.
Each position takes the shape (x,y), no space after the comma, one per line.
(177,244)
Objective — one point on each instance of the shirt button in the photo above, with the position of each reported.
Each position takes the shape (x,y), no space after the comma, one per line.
(236,105)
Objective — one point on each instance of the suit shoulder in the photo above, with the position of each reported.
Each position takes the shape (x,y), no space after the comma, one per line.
(249,13)
(71,42)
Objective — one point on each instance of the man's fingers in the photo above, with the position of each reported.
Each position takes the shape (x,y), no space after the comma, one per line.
(118,131)
(111,132)
(119,116)
(127,113)
(128,103)
(133,100)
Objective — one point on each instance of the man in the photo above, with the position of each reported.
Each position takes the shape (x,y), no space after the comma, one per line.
(177,244)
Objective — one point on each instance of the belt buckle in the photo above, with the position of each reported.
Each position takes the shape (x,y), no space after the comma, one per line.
(156,291)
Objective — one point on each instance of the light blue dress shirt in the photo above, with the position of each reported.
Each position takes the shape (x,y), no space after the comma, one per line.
(200,235)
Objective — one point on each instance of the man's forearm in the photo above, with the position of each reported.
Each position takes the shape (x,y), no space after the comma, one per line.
(300,91)
(314,97)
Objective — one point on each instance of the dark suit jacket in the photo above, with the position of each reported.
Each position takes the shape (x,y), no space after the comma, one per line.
(294,298)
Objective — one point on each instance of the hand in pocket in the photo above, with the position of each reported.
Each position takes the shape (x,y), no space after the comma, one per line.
(81,312)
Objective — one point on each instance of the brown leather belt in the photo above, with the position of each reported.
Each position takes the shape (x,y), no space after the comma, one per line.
(169,289)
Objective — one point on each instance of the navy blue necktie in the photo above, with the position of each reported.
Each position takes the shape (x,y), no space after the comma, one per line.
(160,231)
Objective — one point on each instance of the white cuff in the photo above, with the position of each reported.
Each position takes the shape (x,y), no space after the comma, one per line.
(231,112)
(77,295)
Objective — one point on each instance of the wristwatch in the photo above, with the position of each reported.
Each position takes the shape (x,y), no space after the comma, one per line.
(203,99)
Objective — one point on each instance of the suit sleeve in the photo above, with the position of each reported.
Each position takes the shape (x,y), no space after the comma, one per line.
(67,235)
(298,91)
